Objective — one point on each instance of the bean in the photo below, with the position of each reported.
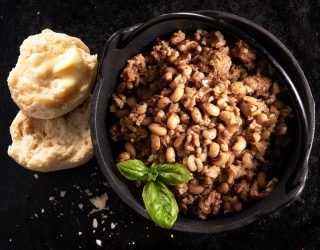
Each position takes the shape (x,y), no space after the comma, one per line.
(170,155)
(184,118)
(223,157)
(168,76)
(130,149)
(247,160)
(157,129)
(177,93)
(191,163)
(123,156)
(173,121)
(185,70)
(196,115)
(214,149)
(223,188)
(155,142)
(163,102)
(262,180)
(256,136)
(261,118)
(195,189)
(209,134)
(212,109)
(240,144)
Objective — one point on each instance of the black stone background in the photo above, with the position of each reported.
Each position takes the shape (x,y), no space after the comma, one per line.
(22,196)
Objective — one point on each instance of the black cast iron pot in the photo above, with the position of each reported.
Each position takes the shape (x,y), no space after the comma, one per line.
(294,164)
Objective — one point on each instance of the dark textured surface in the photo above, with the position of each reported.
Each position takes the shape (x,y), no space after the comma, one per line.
(23,225)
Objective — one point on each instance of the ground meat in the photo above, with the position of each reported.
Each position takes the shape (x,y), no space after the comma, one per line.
(211,105)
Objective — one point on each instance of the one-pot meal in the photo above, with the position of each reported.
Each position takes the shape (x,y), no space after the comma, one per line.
(202,121)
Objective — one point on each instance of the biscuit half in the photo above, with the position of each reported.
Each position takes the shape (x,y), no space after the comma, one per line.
(55,144)
(54,74)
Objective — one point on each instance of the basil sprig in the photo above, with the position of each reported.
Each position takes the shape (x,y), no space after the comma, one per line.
(133,170)
(173,173)
(157,197)
(160,204)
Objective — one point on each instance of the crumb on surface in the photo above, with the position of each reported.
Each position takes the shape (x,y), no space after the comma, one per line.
(99,242)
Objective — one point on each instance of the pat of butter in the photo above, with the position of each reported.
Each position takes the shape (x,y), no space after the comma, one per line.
(69,60)
(63,73)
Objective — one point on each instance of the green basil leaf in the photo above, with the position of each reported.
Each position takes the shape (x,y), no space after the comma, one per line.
(153,172)
(173,174)
(160,204)
(133,170)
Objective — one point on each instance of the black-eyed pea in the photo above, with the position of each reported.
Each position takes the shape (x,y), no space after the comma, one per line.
(212,109)
(130,149)
(225,116)
(170,155)
(184,118)
(155,142)
(168,76)
(240,144)
(123,156)
(261,118)
(185,70)
(247,160)
(196,115)
(177,93)
(157,129)
(256,136)
(195,189)
(199,164)
(222,159)
(224,147)
(209,134)
(191,163)
(223,188)
(214,149)
(262,180)
(203,156)
(173,121)
(163,102)
(230,176)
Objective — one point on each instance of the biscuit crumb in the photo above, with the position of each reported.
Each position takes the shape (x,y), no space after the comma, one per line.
(99,242)
(100,201)
(36,176)
(95,223)
(63,193)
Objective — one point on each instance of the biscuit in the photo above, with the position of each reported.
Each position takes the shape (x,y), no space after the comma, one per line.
(55,144)
(54,74)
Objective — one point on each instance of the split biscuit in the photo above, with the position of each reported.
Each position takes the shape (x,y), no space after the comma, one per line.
(55,144)
(54,74)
